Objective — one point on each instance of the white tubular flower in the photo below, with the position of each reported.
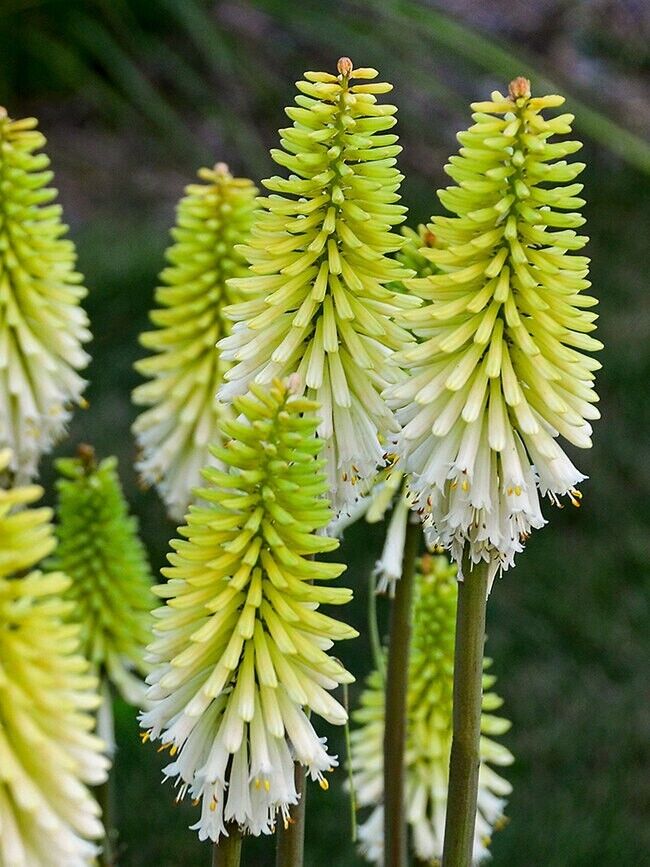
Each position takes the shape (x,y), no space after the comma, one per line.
(318,300)
(429,731)
(240,647)
(42,323)
(48,754)
(500,370)
(175,433)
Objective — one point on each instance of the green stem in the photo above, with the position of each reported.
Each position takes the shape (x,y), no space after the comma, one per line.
(104,796)
(104,793)
(378,655)
(395,832)
(290,839)
(227,852)
(468,690)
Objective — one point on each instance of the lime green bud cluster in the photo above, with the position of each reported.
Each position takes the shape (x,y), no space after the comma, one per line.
(100,550)
(429,730)
(48,754)
(240,647)
(186,371)
(318,303)
(500,370)
(42,325)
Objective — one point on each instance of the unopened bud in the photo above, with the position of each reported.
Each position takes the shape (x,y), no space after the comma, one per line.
(86,454)
(345,66)
(519,87)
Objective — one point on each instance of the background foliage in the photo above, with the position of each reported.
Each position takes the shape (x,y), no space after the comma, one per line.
(134,95)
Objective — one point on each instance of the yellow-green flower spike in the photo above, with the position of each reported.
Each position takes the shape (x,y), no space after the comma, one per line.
(48,754)
(100,550)
(318,299)
(174,433)
(240,648)
(500,370)
(429,731)
(42,324)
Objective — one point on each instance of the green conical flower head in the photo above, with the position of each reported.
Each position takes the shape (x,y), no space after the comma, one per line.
(319,262)
(240,649)
(48,754)
(501,371)
(186,371)
(42,325)
(100,550)
(429,730)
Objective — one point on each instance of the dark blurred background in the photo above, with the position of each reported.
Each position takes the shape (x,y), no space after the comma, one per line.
(135,95)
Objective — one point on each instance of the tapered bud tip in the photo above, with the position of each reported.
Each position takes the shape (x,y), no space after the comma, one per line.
(519,87)
(294,383)
(3,112)
(429,239)
(86,455)
(221,168)
(344,66)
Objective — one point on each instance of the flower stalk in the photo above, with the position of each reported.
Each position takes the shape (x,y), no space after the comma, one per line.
(290,847)
(395,832)
(468,690)
(227,852)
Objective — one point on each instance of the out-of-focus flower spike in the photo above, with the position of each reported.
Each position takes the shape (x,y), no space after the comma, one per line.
(49,756)
(100,550)
(318,298)
(181,422)
(42,324)
(429,731)
(500,370)
(239,649)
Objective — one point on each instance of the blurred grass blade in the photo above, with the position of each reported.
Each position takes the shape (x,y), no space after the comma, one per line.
(210,43)
(66,66)
(505,61)
(134,85)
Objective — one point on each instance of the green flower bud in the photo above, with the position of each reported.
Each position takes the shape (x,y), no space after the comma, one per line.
(100,550)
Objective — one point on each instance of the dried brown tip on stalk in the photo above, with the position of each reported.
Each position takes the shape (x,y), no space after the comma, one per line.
(429,239)
(86,455)
(344,66)
(519,87)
